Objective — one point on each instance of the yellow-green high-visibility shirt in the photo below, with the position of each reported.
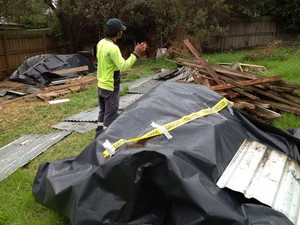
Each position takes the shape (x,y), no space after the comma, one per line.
(110,59)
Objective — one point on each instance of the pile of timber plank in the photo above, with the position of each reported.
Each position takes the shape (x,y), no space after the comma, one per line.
(51,92)
(263,97)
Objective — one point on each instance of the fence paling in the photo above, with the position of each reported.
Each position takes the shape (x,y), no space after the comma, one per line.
(16,45)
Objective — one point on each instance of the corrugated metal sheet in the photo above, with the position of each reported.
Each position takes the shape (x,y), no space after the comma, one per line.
(184,74)
(172,75)
(21,151)
(86,116)
(145,87)
(92,115)
(266,175)
(128,99)
(138,82)
(80,127)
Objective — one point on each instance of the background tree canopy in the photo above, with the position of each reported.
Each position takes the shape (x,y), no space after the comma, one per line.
(29,13)
(285,12)
(160,22)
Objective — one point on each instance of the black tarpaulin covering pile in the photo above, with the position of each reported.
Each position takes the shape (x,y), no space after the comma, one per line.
(160,180)
(41,69)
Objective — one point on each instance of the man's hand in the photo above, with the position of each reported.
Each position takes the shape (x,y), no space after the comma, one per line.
(140,48)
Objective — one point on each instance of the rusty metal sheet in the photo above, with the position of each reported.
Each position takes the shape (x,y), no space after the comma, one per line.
(19,152)
(267,175)
(80,127)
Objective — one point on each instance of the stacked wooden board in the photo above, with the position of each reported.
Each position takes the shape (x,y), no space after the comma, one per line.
(264,97)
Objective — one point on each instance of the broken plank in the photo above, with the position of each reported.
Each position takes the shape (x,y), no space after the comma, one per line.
(39,62)
(222,70)
(203,76)
(243,105)
(197,79)
(200,80)
(233,73)
(273,96)
(72,70)
(282,106)
(83,83)
(258,103)
(54,94)
(246,83)
(280,88)
(202,61)
(263,113)
(290,84)
(242,89)
(291,98)
(244,93)
(206,82)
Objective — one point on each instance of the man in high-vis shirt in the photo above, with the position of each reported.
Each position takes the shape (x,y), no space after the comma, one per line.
(110,64)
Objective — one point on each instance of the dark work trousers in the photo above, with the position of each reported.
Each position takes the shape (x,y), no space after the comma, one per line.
(109,102)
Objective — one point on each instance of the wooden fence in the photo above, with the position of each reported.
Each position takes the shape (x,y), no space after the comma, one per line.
(17,45)
(248,33)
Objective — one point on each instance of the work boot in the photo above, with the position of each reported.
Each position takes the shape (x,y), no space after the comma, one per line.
(99,130)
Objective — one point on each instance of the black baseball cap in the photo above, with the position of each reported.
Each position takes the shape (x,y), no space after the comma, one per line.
(115,23)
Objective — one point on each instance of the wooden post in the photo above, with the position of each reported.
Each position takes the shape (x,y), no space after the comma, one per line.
(45,43)
(5,53)
(20,58)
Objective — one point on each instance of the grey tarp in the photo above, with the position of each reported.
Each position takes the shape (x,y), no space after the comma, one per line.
(41,69)
(160,180)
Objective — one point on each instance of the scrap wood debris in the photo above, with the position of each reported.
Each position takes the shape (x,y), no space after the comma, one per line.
(263,97)
(48,93)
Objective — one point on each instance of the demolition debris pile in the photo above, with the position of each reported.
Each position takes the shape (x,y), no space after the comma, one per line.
(263,97)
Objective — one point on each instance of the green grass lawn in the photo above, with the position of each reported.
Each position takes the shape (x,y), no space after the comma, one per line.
(17,206)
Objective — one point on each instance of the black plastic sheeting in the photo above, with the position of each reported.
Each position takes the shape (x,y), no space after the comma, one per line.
(41,69)
(161,181)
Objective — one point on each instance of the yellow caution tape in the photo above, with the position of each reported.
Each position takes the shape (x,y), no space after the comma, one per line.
(172,125)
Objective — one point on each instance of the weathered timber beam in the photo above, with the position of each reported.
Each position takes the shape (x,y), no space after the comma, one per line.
(72,70)
(243,105)
(246,83)
(291,98)
(263,113)
(202,61)
(282,107)
(280,88)
(273,96)
(224,71)
(244,93)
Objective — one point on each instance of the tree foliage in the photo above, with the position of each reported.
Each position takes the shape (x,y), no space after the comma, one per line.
(165,21)
(249,8)
(199,20)
(160,22)
(285,12)
(29,13)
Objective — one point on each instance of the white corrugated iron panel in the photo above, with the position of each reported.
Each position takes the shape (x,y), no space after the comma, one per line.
(266,175)
(87,116)
(80,127)
(19,152)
